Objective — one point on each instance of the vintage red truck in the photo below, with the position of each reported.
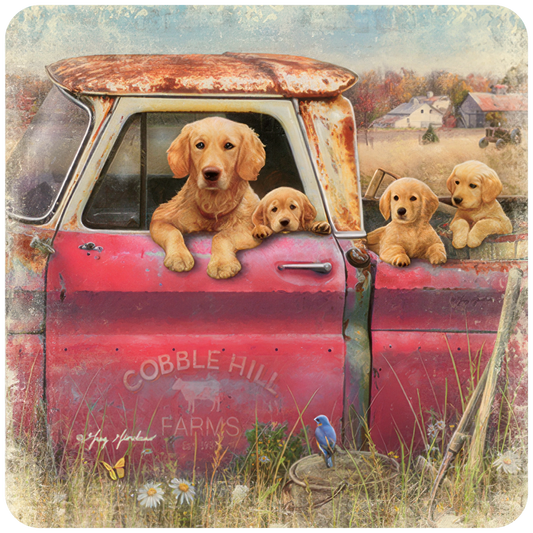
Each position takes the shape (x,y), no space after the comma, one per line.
(120,354)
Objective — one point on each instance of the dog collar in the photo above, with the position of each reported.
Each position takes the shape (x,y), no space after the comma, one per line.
(212,216)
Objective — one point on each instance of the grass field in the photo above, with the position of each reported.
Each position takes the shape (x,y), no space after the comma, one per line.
(402,153)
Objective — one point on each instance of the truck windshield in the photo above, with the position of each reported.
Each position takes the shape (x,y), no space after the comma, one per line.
(38,168)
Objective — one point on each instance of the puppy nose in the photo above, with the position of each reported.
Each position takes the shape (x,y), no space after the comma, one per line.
(457,200)
(284,222)
(402,211)
(211,173)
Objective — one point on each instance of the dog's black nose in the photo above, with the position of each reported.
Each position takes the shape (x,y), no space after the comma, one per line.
(211,173)
(402,211)
(284,222)
(457,200)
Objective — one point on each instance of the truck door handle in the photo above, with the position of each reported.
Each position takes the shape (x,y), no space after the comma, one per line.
(323,268)
(90,246)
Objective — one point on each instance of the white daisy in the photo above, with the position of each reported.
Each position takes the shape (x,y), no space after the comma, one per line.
(183,490)
(508,462)
(150,495)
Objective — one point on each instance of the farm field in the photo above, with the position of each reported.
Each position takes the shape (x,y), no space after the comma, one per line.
(402,153)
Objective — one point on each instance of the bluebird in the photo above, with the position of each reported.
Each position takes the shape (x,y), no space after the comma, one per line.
(325,438)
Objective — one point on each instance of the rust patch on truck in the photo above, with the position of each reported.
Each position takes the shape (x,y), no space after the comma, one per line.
(330,128)
(229,73)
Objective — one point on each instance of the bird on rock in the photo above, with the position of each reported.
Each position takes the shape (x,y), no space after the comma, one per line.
(325,438)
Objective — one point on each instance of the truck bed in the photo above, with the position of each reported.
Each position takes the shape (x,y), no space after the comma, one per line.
(496,247)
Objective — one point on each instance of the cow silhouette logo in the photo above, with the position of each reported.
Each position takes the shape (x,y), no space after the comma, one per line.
(199,390)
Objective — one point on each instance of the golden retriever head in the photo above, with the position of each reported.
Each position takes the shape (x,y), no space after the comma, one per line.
(408,200)
(215,150)
(472,184)
(283,210)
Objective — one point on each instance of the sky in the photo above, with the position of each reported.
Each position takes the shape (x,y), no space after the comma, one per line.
(462,39)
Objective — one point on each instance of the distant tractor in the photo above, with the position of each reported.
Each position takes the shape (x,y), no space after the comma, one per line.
(501,137)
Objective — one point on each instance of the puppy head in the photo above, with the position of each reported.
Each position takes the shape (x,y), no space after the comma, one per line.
(283,210)
(472,184)
(408,200)
(215,151)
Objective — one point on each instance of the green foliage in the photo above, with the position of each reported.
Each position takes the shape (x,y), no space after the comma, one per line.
(270,451)
(430,136)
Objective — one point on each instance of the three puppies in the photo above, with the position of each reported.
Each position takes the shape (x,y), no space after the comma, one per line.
(284,210)
(220,157)
(410,203)
(474,187)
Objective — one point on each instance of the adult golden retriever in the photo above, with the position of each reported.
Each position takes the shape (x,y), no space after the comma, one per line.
(410,203)
(283,210)
(220,157)
(474,187)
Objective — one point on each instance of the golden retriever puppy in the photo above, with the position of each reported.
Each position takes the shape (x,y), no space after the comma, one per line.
(474,187)
(220,157)
(410,204)
(283,210)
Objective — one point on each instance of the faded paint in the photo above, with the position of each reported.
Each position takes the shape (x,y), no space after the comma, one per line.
(201,74)
(25,316)
(330,127)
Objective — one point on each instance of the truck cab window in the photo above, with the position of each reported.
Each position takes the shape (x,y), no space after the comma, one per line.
(137,177)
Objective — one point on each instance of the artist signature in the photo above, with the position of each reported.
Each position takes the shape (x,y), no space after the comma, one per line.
(97,438)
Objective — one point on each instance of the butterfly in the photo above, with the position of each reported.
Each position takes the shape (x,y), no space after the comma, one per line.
(117,471)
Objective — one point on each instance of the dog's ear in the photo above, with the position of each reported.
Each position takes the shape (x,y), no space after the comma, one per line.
(450,182)
(251,155)
(491,186)
(179,153)
(430,203)
(384,203)
(308,211)
(258,217)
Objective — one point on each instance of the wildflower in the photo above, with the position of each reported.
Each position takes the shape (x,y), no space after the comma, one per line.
(508,462)
(183,490)
(150,495)
(239,493)
(440,425)
(432,432)
(264,459)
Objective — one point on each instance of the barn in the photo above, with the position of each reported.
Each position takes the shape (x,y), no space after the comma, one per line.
(419,112)
(476,106)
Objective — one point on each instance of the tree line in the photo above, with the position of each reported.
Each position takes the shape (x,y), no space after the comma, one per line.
(375,94)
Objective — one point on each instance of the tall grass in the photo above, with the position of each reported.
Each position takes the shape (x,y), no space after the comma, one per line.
(80,494)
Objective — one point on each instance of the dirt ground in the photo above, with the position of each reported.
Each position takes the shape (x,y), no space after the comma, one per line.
(401,152)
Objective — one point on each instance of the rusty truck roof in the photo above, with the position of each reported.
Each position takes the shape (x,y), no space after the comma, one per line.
(226,74)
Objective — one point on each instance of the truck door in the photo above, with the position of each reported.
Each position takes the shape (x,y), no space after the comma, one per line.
(141,356)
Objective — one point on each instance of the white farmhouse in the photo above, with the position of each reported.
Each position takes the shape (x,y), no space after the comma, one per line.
(419,112)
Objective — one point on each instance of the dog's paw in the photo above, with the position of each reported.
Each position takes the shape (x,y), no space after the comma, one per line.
(437,257)
(262,232)
(401,260)
(459,242)
(223,269)
(179,262)
(473,240)
(321,228)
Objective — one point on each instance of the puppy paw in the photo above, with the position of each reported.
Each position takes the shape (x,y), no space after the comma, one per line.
(473,240)
(321,228)
(179,262)
(223,268)
(261,232)
(459,242)
(400,260)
